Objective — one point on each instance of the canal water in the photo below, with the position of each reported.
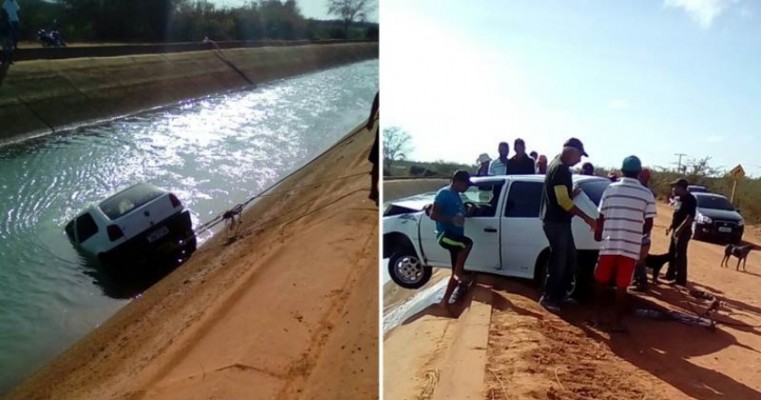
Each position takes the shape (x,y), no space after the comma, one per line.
(212,152)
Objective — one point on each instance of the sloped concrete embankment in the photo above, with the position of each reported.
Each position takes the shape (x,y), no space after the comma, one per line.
(46,96)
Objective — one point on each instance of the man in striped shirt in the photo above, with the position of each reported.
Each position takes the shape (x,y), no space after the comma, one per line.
(626,210)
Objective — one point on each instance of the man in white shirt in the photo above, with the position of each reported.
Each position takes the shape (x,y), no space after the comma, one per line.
(12,8)
(498,166)
(626,210)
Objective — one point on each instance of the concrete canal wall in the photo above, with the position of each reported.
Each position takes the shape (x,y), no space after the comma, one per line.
(51,95)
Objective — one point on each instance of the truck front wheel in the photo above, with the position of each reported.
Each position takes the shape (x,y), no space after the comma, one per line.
(407,271)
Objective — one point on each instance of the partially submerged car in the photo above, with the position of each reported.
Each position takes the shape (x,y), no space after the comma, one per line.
(508,238)
(138,224)
(717,219)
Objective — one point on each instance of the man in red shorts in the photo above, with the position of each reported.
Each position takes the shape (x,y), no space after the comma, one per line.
(626,210)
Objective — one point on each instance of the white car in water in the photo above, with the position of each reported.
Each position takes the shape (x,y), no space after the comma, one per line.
(137,224)
(508,238)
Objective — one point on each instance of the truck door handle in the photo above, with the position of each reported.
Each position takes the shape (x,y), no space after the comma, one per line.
(492,230)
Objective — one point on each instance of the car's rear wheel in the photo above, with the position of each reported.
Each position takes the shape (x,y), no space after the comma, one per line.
(407,271)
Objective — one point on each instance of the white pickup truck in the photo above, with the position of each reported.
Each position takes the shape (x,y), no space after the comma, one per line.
(508,238)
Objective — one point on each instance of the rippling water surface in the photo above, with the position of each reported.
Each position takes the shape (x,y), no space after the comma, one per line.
(213,152)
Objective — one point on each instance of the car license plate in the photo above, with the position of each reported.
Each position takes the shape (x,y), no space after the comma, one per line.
(154,236)
(725,229)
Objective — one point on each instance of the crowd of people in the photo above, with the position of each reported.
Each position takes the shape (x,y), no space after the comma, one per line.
(519,164)
(623,227)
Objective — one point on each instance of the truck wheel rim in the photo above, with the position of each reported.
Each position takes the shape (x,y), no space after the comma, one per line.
(408,269)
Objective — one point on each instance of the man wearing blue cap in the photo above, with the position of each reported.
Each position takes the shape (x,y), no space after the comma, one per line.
(627,209)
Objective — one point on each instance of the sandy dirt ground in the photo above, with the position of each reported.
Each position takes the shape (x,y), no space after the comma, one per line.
(533,354)
(289,310)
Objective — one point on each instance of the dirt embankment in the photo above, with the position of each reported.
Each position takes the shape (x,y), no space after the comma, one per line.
(286,311)
(532,354)
(45,96)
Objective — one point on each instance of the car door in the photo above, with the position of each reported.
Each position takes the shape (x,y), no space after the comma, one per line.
(483,228)
(434,254)
(523,238)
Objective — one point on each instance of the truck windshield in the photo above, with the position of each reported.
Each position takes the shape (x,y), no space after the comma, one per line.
(130,199)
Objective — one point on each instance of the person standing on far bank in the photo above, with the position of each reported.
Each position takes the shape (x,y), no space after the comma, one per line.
(12,8)
(373,157)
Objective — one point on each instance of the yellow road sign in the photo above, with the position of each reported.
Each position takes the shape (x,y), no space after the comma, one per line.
(737,172)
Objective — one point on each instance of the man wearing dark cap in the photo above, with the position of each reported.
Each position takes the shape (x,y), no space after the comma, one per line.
(557,211)
(681,231)
(520,163)
(449,213)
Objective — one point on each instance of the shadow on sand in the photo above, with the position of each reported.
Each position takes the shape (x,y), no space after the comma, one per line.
(664,348)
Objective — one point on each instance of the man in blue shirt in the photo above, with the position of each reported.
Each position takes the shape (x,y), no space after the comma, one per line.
(449,213)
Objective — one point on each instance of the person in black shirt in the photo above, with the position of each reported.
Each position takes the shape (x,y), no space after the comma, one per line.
(373,157)
(557,212)
(587,169)
(520,163)
(681,231)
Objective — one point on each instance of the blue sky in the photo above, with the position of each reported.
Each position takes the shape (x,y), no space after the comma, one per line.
(317,9)
(650,78)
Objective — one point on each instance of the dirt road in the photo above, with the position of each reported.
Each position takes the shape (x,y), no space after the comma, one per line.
(286,311)
(532,354)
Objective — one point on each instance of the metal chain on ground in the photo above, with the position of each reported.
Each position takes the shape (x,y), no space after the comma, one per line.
(715,304)
(238,208)
(210,224)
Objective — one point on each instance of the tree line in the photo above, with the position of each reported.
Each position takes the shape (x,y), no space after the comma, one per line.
(192,20)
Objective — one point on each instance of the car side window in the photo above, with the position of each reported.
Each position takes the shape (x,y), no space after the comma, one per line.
(486,196)
(524,200)
(86,227)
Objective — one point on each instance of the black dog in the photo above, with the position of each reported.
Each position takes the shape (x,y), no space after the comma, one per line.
(656,262)
(741,252)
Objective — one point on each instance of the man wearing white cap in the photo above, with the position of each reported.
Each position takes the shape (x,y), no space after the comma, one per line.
(483,164)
